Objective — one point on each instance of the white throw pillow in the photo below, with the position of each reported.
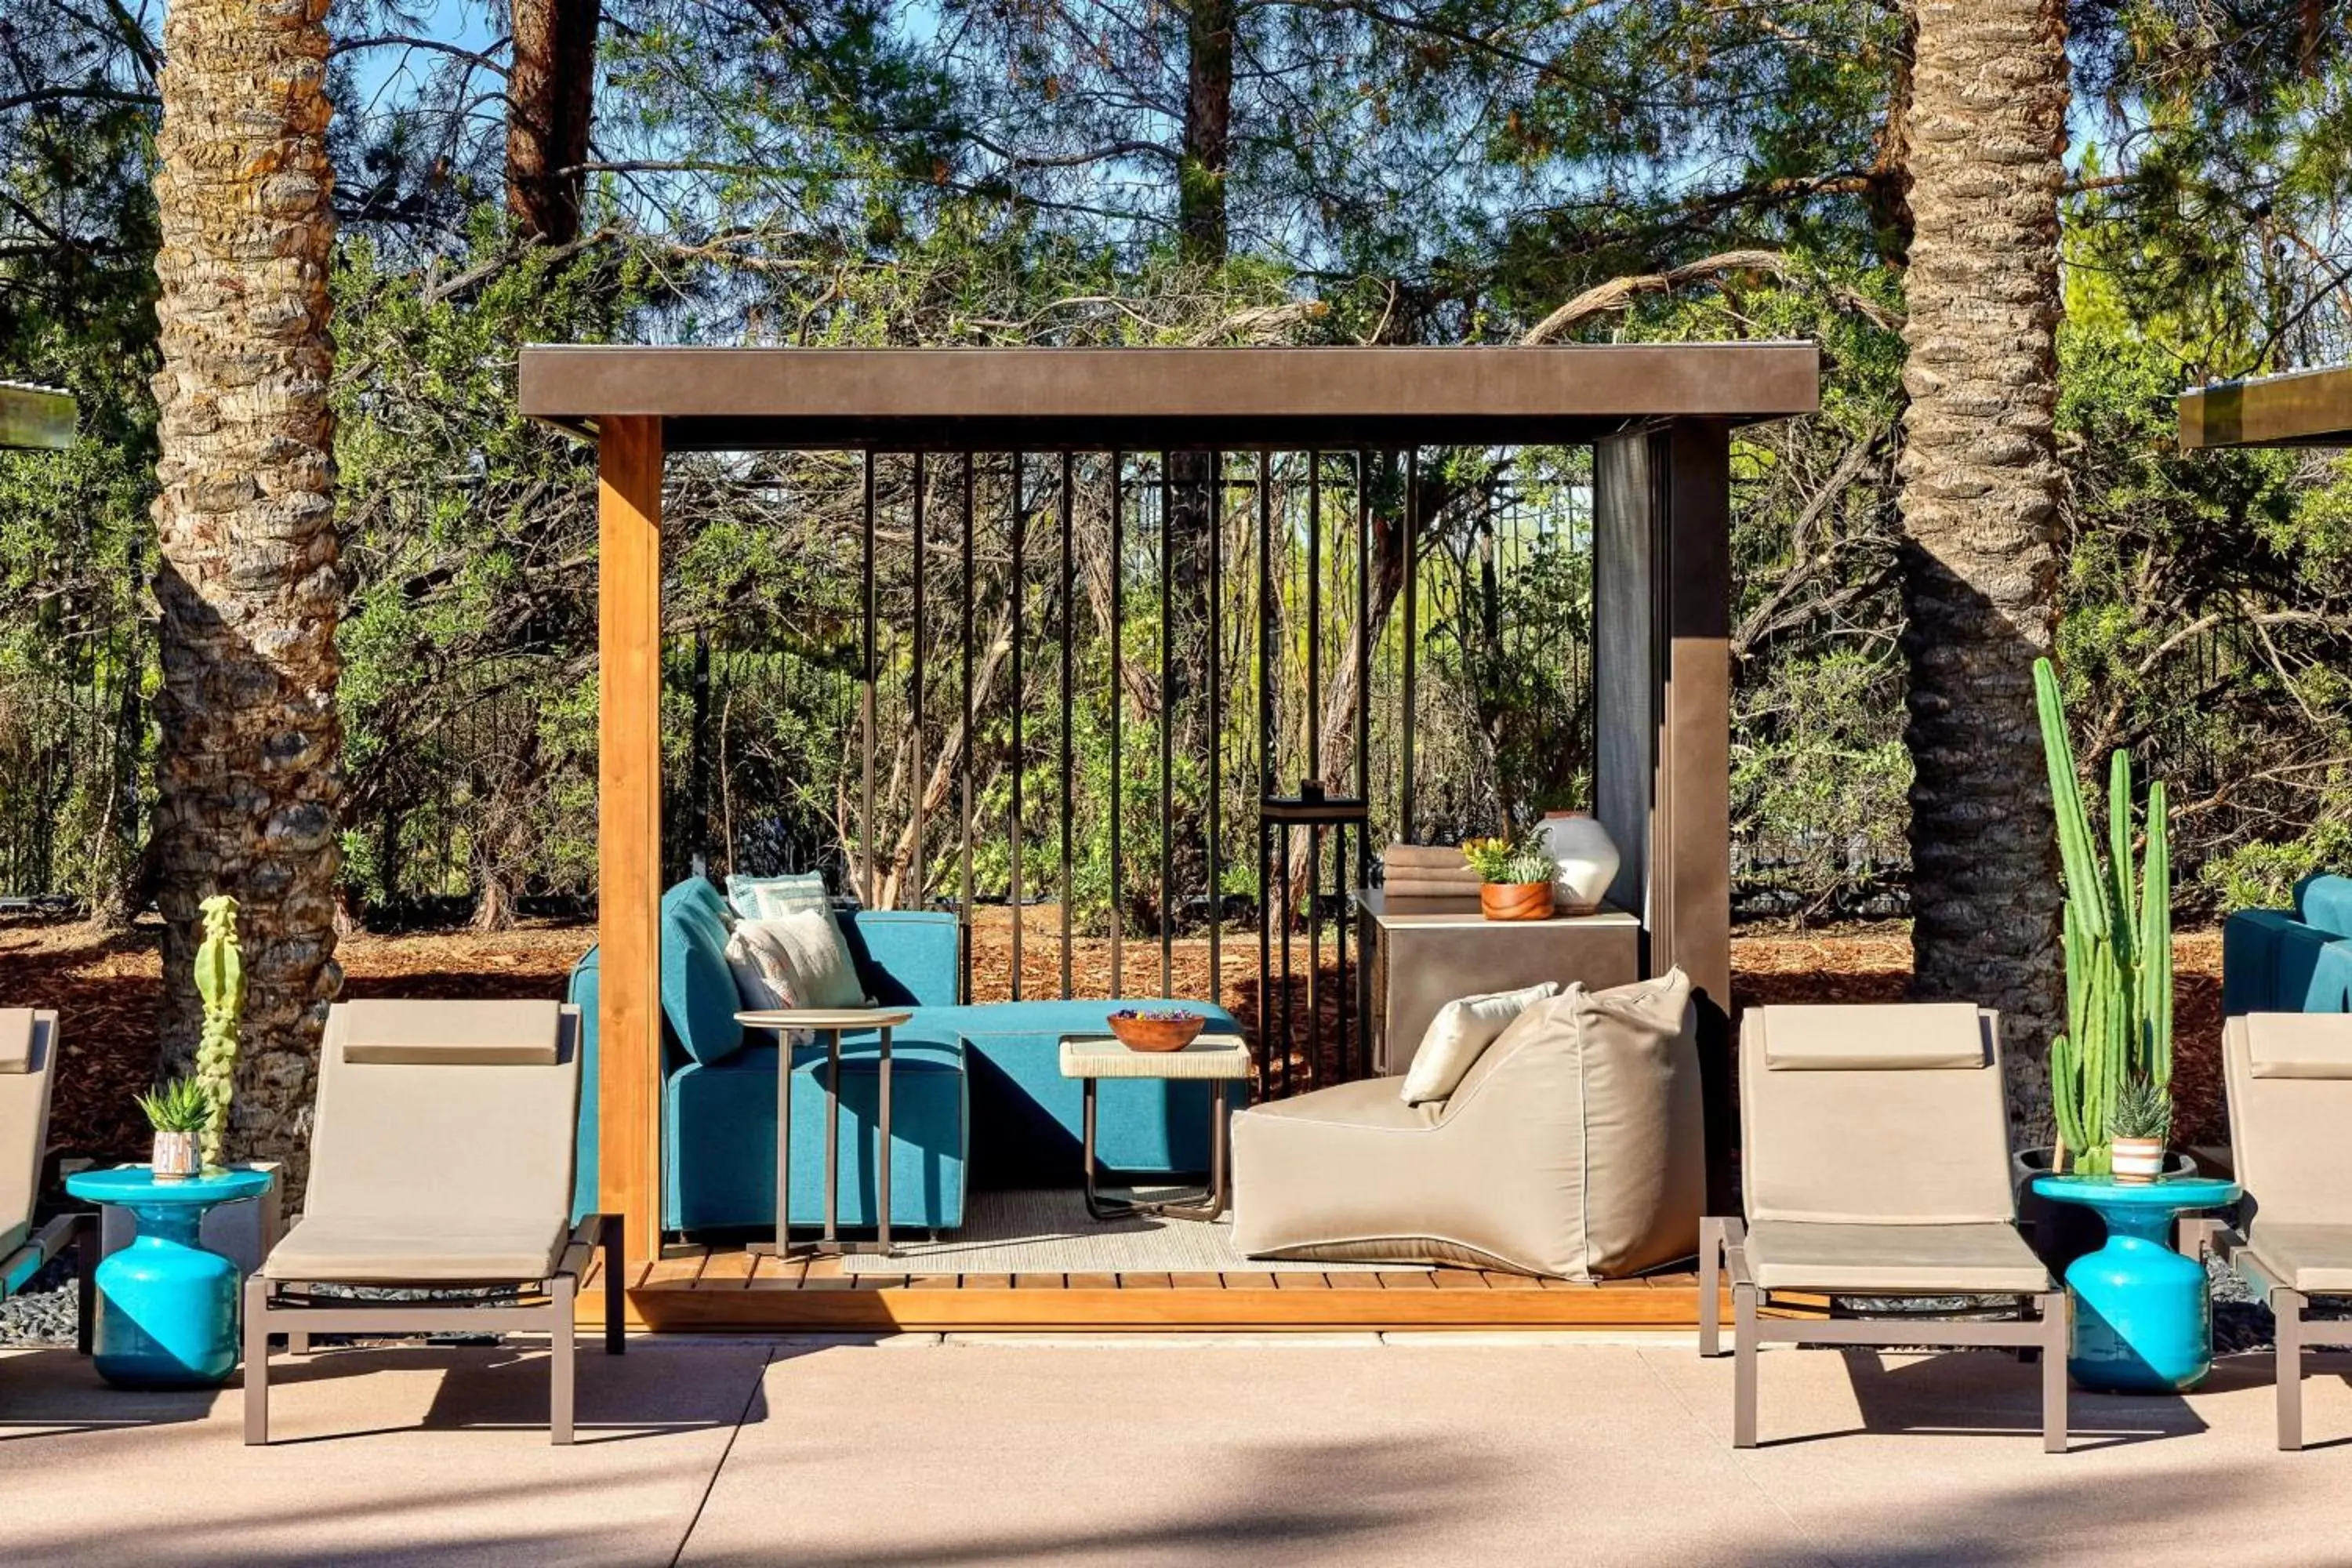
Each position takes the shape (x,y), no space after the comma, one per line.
(1460,1034)
(810,958)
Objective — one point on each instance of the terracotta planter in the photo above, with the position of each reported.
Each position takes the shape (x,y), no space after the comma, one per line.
(2136,1158)
(1515,901)
(175,1157)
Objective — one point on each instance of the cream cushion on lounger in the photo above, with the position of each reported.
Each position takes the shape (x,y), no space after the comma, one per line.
(2291,1135)
(1456,1039)
(25,1044)
(451,1165)
(1573,1147)
(1875,1152)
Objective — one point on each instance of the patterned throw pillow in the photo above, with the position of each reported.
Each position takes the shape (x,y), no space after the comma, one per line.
(773,898)
(806,958)
(761,983)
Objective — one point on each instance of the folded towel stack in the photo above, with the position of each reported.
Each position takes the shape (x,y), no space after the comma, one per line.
(1427,871)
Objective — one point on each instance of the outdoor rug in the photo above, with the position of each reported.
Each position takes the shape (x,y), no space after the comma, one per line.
(1025,1231)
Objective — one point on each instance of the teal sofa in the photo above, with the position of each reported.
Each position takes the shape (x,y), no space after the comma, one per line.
(2291,961)
(977,1093)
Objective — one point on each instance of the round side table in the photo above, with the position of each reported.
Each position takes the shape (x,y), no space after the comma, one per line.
(167,1308)
(2143,1315)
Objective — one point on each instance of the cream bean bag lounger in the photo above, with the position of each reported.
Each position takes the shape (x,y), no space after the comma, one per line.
(1572,1146)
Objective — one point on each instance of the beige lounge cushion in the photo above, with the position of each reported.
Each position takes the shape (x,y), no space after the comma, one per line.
(24,1121)
(2290,1138)
(1872,1145)
(1924,1037)
(462,1171)
(2299,1045)
(1573,1147)
(15,1039)
(1460,1031)
(453,1034)
(2308,1257)
(398,1248)
(1894,1260)
(803,955)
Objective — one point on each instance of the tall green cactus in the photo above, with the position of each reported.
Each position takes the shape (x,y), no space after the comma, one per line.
(2118,945)
(220,980)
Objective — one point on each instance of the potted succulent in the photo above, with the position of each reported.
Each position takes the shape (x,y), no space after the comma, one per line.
(1514,878)
(178,1112)
(2137,1129)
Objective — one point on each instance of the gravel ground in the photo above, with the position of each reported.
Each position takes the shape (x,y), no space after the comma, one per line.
(44,1312)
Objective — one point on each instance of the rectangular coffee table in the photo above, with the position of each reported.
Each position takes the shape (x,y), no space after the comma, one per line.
(1214,1059)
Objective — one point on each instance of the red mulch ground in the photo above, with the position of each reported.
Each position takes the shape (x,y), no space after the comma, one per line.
(107,991)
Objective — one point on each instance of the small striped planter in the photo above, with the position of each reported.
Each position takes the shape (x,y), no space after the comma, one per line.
(2136,1158)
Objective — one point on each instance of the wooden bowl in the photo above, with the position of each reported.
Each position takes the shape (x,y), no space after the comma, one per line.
(1156,1031)
(1515,901)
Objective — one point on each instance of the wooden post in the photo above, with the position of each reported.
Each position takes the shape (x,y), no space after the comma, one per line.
(628,828)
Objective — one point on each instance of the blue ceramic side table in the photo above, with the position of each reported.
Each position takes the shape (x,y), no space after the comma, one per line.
(2143,1315)
(167,1308)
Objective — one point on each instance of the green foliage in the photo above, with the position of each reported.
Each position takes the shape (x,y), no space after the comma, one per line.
(183,1105)
(2118,935)
(1518,859)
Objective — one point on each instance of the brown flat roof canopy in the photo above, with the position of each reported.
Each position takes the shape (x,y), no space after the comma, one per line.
(1040,399)
(2297,408)
(37,417)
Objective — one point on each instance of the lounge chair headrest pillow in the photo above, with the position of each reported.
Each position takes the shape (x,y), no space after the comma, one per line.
(2299,1045)
(15,1039)
(1933,1035)
(452,1034)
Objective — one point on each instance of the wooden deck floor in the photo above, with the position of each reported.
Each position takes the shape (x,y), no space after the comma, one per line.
(693,1288)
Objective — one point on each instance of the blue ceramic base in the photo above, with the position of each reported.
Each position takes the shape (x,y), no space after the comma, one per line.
(167,1314)
(2143,1313)
(167,1308)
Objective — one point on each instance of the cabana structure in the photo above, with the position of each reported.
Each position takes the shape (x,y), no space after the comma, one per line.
(1659,418)
(38,417)
(2295,409)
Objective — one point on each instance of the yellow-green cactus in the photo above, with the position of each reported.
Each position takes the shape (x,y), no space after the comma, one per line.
(220,980)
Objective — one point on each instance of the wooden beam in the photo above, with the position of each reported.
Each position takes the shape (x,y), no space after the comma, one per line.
(36,416)
(2301,408)
(628,828)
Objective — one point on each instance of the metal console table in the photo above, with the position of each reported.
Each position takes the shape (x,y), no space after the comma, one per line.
(829,1022)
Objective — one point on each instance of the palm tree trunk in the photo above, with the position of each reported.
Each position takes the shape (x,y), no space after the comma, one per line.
(550,93)
(250,770)
(1980,505)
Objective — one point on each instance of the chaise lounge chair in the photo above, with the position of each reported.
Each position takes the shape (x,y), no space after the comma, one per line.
(441,1160)
(28,1049)
(2289,1087)
(1875,1163)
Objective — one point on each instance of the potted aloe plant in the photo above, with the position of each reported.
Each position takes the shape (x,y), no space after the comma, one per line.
(2137,1129)
(1514,877)
(178,1113)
